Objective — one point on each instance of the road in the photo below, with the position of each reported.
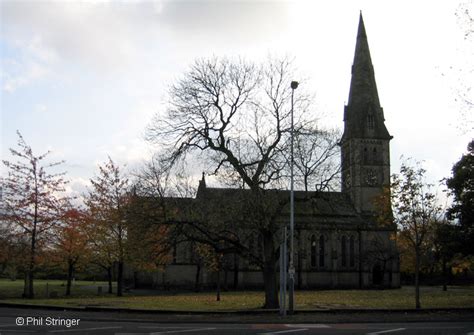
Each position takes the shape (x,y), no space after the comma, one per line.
(15,322)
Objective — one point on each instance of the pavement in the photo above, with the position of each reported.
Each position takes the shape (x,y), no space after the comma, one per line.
(15,321)
(249,316)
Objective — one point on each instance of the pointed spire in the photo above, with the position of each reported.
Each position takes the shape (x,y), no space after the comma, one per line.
(363,86)
(363,96)
(361,29)
(202,185)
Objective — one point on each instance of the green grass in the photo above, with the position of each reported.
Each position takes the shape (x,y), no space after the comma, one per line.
(85,294)
(14,289)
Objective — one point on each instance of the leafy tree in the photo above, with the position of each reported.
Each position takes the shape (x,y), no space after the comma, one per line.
(13,252)
(106,202)
(461,187)
(415,210)
(102,246)
(32,199)
(148,245)
(379,250)
(446,245)
(237,116)
(70,246)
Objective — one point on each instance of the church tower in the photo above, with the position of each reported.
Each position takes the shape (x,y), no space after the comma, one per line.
(365,153)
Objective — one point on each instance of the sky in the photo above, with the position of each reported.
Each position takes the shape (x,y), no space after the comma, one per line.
(84,78)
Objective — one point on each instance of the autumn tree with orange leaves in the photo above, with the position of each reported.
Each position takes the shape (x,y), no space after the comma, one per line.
(32,199)
(415,211)
(106,202)
(71,247)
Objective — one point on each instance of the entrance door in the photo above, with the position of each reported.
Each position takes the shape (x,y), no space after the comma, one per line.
(377,275)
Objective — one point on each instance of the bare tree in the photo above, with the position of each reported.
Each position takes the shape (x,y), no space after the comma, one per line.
(463,72)
(316,154)
(237,114)
(32,199)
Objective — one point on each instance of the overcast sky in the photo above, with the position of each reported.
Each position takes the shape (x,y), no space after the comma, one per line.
(84,78)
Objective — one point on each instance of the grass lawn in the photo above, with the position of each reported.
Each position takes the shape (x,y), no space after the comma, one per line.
(85,294)
(14,289)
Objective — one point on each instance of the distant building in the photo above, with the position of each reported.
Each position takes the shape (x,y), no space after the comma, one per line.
(339,242)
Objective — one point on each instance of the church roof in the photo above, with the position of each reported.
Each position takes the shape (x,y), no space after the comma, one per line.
(363,95)
(310,207)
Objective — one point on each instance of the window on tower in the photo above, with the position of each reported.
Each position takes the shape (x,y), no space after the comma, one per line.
(313,251)
(370,121)
(366,156)
(322,251)
(343,251)
(351,252)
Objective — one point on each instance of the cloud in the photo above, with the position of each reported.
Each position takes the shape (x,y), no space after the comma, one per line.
(77,188)
(97,35)
(106,35)
(19,73)
(234,20)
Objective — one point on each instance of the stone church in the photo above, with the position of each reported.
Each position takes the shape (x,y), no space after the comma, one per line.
(339,241)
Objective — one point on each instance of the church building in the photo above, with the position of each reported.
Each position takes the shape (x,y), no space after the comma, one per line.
(340,241)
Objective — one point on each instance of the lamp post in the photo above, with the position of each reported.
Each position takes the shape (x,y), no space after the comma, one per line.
(291,268)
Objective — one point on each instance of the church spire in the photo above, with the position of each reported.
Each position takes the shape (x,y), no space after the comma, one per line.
(363,114)
(365,144)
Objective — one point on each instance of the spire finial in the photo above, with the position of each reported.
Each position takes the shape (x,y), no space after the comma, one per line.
(361,30)
(203,179)
(202,185)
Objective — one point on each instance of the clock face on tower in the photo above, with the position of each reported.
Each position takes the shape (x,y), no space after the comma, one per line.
(371,177)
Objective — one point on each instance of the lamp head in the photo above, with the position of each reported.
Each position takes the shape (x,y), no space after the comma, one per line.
(294,85)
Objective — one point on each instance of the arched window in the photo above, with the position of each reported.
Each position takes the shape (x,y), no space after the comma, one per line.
(313,251)
(374,155)
(365,156)
(343,251)
(351,252)
(370,121)
(321,251)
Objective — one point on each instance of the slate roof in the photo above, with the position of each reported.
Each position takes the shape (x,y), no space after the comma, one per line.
(311,208)
(363,95)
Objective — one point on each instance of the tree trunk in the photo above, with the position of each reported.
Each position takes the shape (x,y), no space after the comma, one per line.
(236,271)
(31,266)
(109,278)
(360,258)
(218,291)
(197,281)
(70,270)
(417,279)
(120,279)
(445,274)
(25,285)
(269,272)
(30,294)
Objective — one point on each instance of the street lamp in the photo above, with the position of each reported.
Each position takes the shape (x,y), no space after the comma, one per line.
(291,270)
